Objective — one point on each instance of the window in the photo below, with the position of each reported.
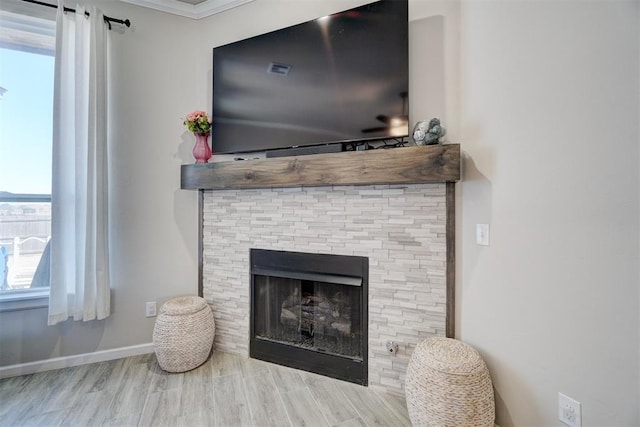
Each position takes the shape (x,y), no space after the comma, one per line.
(27,46)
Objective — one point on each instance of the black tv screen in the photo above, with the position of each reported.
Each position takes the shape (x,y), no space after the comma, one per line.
(340,78)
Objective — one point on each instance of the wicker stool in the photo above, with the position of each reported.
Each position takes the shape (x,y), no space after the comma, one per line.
(448,384)
(183,333)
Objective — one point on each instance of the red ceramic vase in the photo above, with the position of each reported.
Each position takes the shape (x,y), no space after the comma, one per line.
(202,151)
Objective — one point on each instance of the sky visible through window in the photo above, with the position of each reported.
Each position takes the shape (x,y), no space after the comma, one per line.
(26,120)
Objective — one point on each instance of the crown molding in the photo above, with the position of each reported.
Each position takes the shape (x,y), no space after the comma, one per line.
(198,11)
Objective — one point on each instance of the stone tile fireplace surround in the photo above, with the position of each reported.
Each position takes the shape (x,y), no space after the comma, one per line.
(396,207)
(400,228)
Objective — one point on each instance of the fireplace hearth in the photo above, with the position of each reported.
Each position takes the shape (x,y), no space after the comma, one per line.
(309,311)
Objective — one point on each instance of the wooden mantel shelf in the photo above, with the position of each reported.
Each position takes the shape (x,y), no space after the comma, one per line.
(407,165)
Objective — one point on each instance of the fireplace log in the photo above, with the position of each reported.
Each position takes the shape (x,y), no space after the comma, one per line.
(317,314)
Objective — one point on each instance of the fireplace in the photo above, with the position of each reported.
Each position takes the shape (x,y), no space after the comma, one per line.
(309,311)
(402,230)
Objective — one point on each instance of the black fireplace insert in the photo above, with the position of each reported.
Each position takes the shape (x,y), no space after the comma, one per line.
(309,311)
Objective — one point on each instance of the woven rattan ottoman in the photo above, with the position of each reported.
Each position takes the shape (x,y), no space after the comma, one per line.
(183,333)
(448,384)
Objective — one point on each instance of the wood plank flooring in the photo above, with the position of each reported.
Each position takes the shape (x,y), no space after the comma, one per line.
(226,391)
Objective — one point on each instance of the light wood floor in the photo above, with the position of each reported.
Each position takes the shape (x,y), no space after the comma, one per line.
(226,391)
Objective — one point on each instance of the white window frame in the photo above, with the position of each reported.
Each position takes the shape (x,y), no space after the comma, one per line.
(30,28)
(24,299)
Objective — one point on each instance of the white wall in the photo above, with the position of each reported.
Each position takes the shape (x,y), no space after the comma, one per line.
(549,124)
(543,97)
(154,84)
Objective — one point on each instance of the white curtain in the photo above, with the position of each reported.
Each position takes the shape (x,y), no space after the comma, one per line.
(79,245)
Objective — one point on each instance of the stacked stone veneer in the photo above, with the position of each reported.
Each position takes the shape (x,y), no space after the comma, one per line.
(400,228)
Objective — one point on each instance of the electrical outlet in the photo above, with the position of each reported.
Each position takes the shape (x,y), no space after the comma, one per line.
(150,309)
(569,411)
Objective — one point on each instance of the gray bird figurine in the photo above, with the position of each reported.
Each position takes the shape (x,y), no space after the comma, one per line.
(428,133)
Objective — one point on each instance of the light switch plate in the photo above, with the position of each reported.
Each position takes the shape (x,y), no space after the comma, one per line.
(482,234)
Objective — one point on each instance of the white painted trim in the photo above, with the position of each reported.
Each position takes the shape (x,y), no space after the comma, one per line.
(23,299)
(169,6)
(198,11)
(211,7)
(75,360)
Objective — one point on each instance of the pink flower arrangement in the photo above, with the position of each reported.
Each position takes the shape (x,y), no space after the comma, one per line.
(198,122)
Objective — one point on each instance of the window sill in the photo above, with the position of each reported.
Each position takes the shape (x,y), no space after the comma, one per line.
(24,300)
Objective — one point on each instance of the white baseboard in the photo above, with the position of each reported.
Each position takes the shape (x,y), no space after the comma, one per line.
(75,360)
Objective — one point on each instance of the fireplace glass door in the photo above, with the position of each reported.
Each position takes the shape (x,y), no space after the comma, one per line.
(319,316)
(309,311)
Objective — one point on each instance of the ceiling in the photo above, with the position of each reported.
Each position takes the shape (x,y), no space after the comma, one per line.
(194,9)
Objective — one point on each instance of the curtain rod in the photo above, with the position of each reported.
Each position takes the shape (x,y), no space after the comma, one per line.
(107,19)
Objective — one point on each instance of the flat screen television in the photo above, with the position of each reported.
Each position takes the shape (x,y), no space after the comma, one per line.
(337,79)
